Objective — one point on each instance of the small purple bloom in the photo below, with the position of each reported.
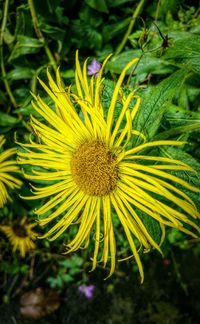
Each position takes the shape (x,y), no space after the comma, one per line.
(94,68)
(87,291)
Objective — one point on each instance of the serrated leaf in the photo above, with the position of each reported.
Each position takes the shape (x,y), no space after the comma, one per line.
(152,226)
(191,177)
(179,130)
(178,154)
(181,121)
(153,103)
(185,50)
(177,116)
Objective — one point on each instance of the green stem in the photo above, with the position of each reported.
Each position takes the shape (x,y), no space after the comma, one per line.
(40,35)
(8,293)
(34,83)
(3,70)
(157,10)
(130,27)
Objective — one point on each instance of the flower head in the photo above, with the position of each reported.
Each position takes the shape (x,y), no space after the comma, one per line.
(87,291)
(98,176)
(20,235)
(94,68)
(7,167)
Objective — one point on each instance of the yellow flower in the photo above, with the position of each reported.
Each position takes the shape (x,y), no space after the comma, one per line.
(20,235)
(6,167)
(97,176)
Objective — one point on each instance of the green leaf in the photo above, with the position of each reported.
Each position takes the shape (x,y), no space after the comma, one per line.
(118,62)
(83,31)
(25,45)
(147,64)
(20,73)
(68,74)
(116,3)
(8,37)
(111,30)
(166,6)
(178,154)
(185,50)
(190,177)
(179,130)
(174,236)
(177,116)
(99,5)
(7,120)
(181,121)
(153,103)
(152,226)
(54,32)
(67,278)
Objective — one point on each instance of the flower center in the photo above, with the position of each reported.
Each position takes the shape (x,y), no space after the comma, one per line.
(94,168)
(20,231)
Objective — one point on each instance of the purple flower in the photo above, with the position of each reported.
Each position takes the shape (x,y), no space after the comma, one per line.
(94,68)
(87,291)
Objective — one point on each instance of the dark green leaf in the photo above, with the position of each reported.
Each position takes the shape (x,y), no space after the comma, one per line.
(20,73)
(153,103)
(177,116)
(181,121)
(25,45)
(116,3)
(148,63)
(111,30)
(7,120)
(54,32)
(118,62)
(191,177)
(152,226)
(99,5)
(186,50)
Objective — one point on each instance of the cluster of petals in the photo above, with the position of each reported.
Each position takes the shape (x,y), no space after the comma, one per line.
(20,235)
(7,168)
(142,184)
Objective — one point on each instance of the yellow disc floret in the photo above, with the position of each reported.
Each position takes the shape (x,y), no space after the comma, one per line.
(94,168)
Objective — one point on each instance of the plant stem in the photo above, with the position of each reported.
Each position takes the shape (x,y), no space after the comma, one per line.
(130,27)
(157,10)
(3,70)
(8,294)
(40,35)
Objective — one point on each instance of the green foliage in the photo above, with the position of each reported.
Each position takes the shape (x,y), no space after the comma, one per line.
(153,226)
(155,101)
(67,270)
(14,267)
(185,51)
(192,178)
